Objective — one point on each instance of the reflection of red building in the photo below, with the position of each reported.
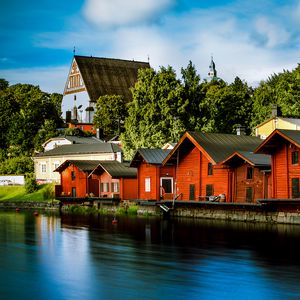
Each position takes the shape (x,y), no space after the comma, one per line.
(154,180)
(83,178)
(205,167)
(283,146)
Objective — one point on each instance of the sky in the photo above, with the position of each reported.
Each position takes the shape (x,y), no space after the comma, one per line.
(249,39)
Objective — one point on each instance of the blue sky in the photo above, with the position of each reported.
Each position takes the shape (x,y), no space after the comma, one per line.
(249,39)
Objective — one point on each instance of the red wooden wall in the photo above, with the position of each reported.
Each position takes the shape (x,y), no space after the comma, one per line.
(154,172)
(240,183)
(129,188)
(193,170)
(283,171)
(80,181)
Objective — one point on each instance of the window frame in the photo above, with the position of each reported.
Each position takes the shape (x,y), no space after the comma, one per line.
(148,184)
(295,157)
(209,169)
(249,173)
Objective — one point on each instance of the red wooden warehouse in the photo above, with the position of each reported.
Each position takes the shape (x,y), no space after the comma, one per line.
(201,168)
(249,176)
(116,180)
(283,146)
(154,180)
(104,179)
(74,178)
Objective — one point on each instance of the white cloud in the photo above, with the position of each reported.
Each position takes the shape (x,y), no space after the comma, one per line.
(274,34)
(120,12)
(252,46)
(51,80)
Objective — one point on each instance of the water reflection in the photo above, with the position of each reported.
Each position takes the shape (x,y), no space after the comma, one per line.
(88,257)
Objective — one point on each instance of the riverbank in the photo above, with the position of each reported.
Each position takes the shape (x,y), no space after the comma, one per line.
(12,197)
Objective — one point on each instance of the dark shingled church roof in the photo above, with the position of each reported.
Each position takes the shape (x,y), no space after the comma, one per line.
(107,76)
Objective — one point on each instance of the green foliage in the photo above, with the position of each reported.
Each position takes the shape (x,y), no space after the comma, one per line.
(76,132)
(17,165)
(49,191)
(3,84)
(23,111)
(163,107)
(153,115)
(30,183)
(47,131)
(110,114)
(282,89)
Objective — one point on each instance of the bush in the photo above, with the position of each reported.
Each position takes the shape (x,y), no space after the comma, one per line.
(49,191)
(17,165)
(30,183)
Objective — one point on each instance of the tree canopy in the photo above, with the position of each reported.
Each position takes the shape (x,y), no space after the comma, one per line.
(110,114)
(24,111)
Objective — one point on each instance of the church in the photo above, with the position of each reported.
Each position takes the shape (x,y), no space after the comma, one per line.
(92,77)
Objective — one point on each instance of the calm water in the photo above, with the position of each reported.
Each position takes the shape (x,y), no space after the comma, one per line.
(72,257)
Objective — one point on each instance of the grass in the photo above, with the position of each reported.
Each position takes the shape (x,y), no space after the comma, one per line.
(45,192)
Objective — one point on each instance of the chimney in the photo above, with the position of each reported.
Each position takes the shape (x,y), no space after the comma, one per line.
(274,110)
(240,130)
(68,116)
(99,133)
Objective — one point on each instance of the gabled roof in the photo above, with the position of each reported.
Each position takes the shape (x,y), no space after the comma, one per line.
(83,165)
(81,149)
(75,139)
(107,76)
(217,146)
(255,160)
(116,169)
(275,139)
(150,156)
(289,120)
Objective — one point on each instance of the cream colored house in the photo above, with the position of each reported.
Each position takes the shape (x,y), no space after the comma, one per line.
(46,162)
(264,129)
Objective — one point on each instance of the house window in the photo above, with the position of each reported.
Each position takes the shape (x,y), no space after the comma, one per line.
(209,190)
(249,194)
(115,187)
(104,187)
(249,173)
(210,169)
(73,175)
(295,188)
(43,168)
(295,157)
(147,184)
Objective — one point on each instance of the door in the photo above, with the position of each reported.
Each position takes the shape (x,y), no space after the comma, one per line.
(192,192)
(166,184)
(74,192)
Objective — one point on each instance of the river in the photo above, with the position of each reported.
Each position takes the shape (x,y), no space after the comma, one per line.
(88,257)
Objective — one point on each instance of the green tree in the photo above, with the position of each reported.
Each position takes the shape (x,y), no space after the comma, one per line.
(192,111)
(3,84)
(47,131)
(110,114)
(24,110)
(154,113)
(282,89)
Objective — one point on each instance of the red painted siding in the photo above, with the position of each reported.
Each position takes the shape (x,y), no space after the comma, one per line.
(242,183)
(154,173)
(283,171)
(79,183)
(129,188)
(193,170)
